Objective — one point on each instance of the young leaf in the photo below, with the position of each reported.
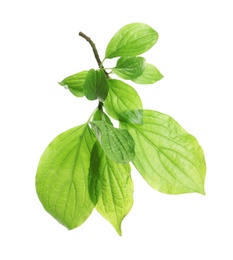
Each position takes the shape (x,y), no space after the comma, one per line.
(131,40)
(117,144)
(123,102)
(62,176)
(96,85)
(111,187)
(129,68)
(168,158)
(149,76)
(75,83)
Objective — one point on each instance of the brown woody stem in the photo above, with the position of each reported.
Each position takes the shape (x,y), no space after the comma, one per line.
(97,57)
(96,54)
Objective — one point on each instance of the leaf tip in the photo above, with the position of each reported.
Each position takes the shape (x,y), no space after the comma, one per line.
(120,233)
(63,84)
(202,191)
(118,230)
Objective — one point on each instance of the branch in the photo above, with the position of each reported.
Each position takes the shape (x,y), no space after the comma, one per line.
(96,54)
(97,57)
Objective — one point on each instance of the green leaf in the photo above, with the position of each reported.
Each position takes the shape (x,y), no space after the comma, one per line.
(96,85)
(75,83)
(149,76)
(168,158)
(101,116)
(117,144)
(111,187)
(123,102)
(62,176)
(131,40)
(129,68)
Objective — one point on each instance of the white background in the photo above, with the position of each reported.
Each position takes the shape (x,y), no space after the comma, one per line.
(39,46)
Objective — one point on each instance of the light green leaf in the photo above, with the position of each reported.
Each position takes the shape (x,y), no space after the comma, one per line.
(62,176)
(123,102)
(111,187)
(149,76)
(96,85)
(75,83)
(117,144)
(131,40)
(168,158)
(129,68)
(101,116)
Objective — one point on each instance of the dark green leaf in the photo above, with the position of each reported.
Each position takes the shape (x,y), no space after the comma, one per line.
(123,102)
(75,83)
(131,40)
(168,158)
(96,85)
(117,144)
(149,76)
(62,176)
(111,187)
(129,68)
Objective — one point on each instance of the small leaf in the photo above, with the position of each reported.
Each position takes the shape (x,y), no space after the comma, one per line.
(111,187)
(62,176)
(123,102)
(101,116)
(131,40)
(117,144)
(75,83)
(96,85)
(168,158)
(129,68)
(149,76)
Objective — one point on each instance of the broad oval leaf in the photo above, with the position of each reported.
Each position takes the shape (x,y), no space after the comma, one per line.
(149,76)
(131,40)
(62,176)
(75,83)
(96,85)
(168,158)
(111,187)
(123,102)
(117,144)
(129,68)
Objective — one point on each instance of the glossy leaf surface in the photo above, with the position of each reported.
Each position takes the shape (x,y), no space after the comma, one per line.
(130,68)
(62,176)
(169,159)
(96,85)
(150,75)
(75,83)
(123,102)
(131,40)
(111,187)
(117,144)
